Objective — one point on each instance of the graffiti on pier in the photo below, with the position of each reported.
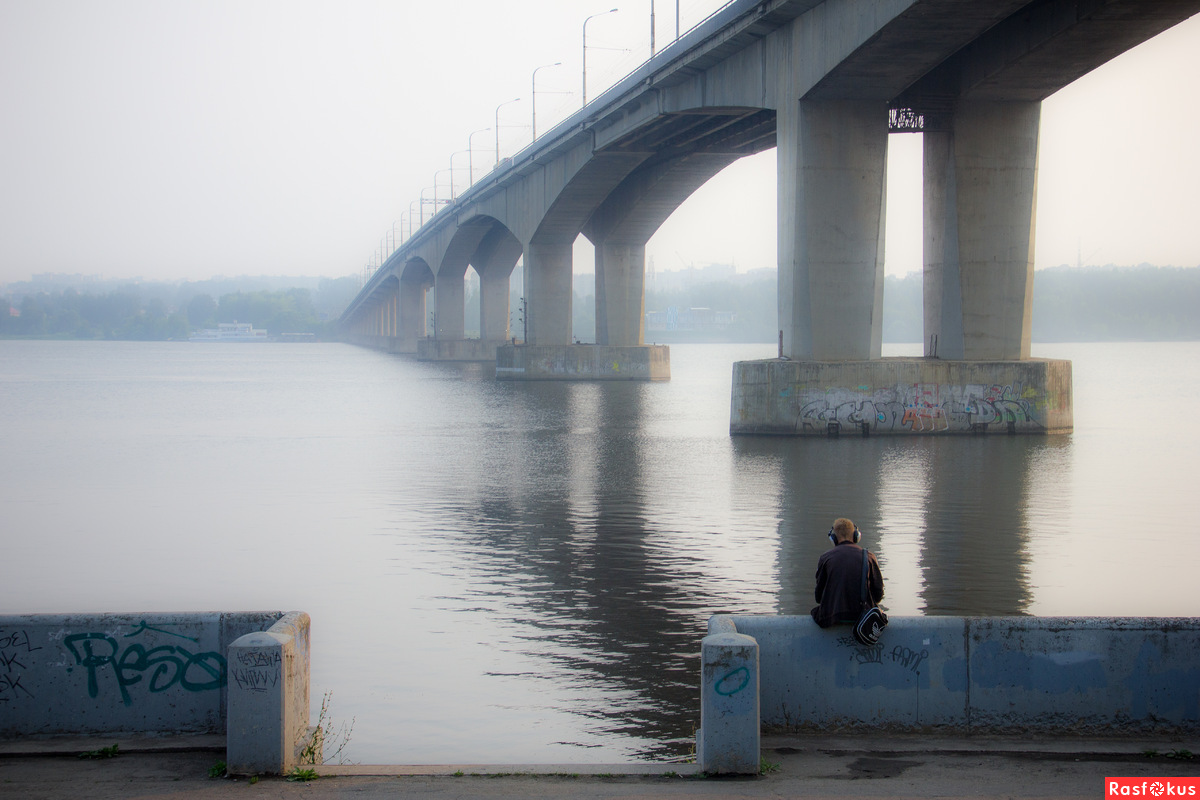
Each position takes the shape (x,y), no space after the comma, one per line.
(919,408)
(15,650)
(166,665)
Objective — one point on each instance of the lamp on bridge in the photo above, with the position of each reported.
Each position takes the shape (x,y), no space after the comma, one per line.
(585,22)
(533,101)
(506,102)
(436,201)
(471,156)
(652,25)
(452,155)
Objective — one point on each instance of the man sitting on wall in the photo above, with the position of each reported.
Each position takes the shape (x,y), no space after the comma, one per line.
(839,577)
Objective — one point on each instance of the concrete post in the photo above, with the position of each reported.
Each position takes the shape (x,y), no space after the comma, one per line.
(620,294)
(728,740)
(832,170)
(412,311)
(980,207)
(450,301)
(493,305)
(548,292)
(268,699)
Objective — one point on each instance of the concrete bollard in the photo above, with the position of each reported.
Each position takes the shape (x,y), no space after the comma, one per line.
(268,699)
(728,739)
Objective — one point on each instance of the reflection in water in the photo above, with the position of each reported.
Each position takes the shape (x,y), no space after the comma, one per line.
(951,514)
(569,553)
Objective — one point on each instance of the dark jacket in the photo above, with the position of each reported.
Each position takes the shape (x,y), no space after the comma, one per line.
(839,584)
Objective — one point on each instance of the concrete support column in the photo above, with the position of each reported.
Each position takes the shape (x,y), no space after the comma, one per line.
(493,305)
(548,292)
(832,181)
(620,293)
(980,207)
(450,302)
(412,310)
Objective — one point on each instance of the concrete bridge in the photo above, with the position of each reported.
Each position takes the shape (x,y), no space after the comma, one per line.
(824,81)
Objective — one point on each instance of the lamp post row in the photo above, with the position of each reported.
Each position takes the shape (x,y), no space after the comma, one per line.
(436,201)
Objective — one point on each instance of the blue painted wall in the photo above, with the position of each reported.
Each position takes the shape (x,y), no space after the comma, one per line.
(996,674)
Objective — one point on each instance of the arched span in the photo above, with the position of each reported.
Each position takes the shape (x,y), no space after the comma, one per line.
(487,244)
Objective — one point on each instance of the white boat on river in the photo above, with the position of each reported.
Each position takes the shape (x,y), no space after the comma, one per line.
(230,332)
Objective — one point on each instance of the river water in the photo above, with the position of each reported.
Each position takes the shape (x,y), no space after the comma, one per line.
(510,572)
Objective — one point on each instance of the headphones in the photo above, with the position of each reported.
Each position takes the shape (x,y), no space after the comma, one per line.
(857,535)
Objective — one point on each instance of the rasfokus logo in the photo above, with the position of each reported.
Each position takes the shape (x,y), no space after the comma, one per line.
(1151,787)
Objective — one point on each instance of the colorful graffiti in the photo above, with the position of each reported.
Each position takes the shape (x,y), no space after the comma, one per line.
(920,408)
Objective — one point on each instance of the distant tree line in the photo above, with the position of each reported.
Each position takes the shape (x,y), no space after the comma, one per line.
(141,313)
(1074,304)
(1143,303)
(1070,304)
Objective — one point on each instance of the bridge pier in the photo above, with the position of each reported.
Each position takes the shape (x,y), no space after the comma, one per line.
(832,169)
(583,362)
(980,195)
(548,292)
(412,314)
(620,293)
(980,199)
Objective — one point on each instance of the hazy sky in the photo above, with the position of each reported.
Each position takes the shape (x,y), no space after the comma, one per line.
(182,139)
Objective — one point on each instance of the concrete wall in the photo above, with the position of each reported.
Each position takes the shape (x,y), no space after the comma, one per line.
(456,350)
(69,674)
(900,396)
(583,362)
(997,675)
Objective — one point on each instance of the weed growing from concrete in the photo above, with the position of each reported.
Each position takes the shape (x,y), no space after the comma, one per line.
(327,744)
(103,752)
(304,774)
(217,770)
(766,767)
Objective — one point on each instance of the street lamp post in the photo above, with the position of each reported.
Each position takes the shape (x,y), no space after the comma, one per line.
(506,102)
(533,98)
(585,22)
(471,155)
(452,155)
(424,201)
(411,215)
(435,185)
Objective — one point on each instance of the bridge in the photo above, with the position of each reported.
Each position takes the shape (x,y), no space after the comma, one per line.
(824,81)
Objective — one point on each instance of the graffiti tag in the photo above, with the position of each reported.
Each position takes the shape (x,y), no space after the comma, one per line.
(732,682)
(168,665)
(15,648)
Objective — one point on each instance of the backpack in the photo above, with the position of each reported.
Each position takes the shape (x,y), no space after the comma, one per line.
(872,621)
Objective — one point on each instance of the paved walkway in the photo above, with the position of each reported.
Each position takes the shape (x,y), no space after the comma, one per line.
(810,766)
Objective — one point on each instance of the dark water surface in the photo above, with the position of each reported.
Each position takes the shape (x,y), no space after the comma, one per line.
(507,572)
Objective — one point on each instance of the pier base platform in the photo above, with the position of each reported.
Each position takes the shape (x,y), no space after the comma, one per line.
(583,362)
(457,349)
(900,396)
